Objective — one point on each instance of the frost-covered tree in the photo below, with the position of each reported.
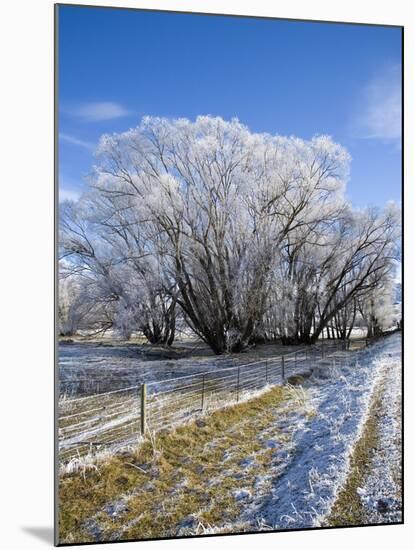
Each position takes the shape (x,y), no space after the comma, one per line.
(223,201)
(119,269)
(71,310)
(363,257)
(81,306)
(377,308)
(248,235)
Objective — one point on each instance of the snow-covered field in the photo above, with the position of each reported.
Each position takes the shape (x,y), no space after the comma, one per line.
(323,430)
(381,491)
(113,418)
(86,368)
(280,464)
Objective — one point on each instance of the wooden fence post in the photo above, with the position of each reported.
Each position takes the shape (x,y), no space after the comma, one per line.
(143,408)
(202,392)
(283,369)
(238,384)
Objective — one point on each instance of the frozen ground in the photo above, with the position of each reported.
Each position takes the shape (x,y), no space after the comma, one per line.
(280,468)
(113,418)
(381,492)
(323,431)
(86,368)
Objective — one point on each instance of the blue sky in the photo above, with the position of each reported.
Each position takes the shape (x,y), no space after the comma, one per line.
(282,77)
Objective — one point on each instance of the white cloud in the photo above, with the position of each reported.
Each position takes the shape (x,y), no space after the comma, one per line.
(101,110)
(75,141)
(378,115)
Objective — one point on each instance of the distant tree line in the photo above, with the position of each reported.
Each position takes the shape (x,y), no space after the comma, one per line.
(239,237)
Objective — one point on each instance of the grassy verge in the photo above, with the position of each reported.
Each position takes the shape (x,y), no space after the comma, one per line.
(194,478)
(348,509)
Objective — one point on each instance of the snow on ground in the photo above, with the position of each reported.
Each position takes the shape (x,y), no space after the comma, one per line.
(381,492)
(323,431)
(310,443)
(113,418)
(87,368)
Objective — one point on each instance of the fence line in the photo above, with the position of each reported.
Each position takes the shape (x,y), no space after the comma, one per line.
(94,386)
(124,415)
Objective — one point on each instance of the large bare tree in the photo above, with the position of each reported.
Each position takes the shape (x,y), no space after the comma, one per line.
(249,235)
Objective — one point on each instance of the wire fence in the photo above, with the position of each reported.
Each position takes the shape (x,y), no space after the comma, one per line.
(120,417)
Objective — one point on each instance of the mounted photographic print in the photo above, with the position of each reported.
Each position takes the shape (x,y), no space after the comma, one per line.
(229,296)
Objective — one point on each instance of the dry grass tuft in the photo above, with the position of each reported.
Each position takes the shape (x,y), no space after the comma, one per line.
(181,482)
(348,509)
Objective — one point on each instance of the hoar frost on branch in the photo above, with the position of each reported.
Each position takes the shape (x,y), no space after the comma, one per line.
(245,236)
